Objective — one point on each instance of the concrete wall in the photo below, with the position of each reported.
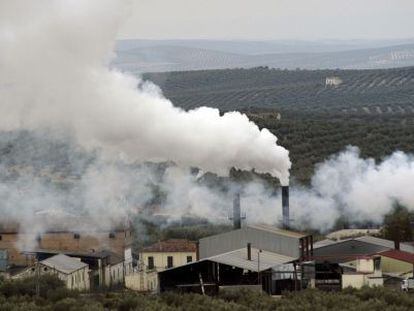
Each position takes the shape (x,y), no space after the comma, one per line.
(360,279)
(114,275)
(142,281)
(262,239)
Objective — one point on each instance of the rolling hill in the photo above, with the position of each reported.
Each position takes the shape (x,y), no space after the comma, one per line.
(159,56)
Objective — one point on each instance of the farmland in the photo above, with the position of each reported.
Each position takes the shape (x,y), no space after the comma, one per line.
(371,109)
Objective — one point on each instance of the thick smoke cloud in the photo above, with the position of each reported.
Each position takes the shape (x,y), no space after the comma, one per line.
(356,188)
(54,73)
(55,84)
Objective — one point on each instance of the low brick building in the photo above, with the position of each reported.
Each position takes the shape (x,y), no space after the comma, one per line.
(12,239)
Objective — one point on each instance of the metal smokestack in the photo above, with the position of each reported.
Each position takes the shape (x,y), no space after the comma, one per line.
(285,206)
(236,211)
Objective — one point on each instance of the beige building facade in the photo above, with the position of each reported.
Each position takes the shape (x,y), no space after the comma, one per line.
(367,273)
(158,257)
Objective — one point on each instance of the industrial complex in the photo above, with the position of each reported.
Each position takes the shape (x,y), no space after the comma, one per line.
(256,256)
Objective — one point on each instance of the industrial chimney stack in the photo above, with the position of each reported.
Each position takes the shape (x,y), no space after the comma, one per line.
(285,206)
(236,211)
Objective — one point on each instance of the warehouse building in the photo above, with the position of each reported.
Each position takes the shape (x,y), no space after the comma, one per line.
(247,267)
(264,237)
(254,255)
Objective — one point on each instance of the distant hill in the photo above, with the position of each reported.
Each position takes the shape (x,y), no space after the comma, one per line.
(139,56)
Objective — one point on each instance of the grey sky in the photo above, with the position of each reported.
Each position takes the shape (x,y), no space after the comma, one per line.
(270,19)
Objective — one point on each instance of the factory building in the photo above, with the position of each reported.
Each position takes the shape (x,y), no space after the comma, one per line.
(116,240)
(264,237)
(257,256)
(246,267)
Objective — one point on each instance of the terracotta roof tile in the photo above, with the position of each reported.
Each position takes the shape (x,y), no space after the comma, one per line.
(173,245)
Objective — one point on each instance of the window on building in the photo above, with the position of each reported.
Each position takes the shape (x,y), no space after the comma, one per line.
(170,263)
(76,236)
(189,258)
(112,235)
(1,238)
(150,262)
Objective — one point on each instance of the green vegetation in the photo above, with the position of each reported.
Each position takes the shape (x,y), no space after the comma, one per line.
(311,139)
(397,224)
(371,109)
(20,295)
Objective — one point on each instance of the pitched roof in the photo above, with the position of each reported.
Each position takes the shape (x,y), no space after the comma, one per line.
(399,255)
(169,246)
(366,239)
(386,243)
(238,258)
(346,250)
(289,233)
(64,263)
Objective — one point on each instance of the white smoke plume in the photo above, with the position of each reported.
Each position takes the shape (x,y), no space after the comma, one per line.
(359,189)
(54,59)
(54,76)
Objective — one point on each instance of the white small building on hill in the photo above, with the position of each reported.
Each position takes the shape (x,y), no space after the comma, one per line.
(333,81)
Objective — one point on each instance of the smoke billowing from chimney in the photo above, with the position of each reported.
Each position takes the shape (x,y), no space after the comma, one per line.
(54,74)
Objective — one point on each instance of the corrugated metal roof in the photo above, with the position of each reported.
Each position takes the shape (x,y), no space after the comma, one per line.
(64,263)
(289,233)
(323,243)
(385,243)
(238,258)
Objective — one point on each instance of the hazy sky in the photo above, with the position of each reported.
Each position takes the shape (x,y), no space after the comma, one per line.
(271,19)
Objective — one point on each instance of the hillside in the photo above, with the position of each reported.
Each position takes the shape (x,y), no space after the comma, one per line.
(371,109)
(362,91)
(158,56)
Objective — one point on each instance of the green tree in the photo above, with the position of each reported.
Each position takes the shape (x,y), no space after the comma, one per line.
(397,225)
